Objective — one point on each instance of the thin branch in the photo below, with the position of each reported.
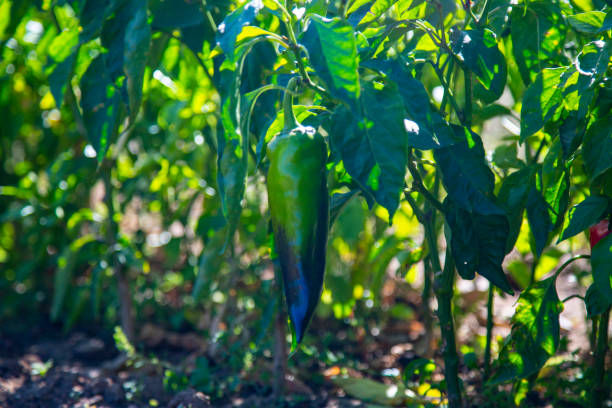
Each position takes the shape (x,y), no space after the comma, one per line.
(570,297)
(420,187)
(447,88)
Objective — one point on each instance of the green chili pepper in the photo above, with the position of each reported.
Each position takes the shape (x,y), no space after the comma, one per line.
(299,208)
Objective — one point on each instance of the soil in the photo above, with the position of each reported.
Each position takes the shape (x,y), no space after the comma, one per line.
(47,368)
(42,366)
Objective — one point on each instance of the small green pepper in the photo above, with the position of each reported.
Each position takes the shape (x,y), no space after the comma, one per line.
(299,208)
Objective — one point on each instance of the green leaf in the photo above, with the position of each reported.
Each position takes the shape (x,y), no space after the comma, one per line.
(332,50)
(64,45)
(113,39)
(136,51)
(376,10)
(232,154)
(233,148)
(601,264)
(597,147)
(176,13)
(513,198)
(426,129)
(478,51)
(209,266)
(61,281)
(593,60)
(506,157)
(465,174)
(541,101)
(372,391)
(58,79)
(537,30)
(478,242)
(92,17)
(374,148)
(571,133)
(591,22)
(232,25)
(63,275)
(585,214)
(555,184)
(535,333)
(18,9)
(539,220)
(595,302)
(100,104)
(479,226)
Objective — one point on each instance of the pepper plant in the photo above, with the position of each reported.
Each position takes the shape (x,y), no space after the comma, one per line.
(481,117)
(364,66)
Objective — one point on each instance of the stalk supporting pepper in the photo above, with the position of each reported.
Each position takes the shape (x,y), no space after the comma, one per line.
(299,208)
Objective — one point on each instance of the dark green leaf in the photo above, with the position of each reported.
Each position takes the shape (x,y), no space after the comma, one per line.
(337,202)
(426,129)
(513,197)
(137,44)
(597,147)
(477,49)
(374,148)
(479,226)
(232,25)
(93,14)
(601,263)
(539,220)
(100,104)
(593,60)
(556,184)
(332,50)
(571,133)
(585,214)
(541,101)
(176,13)
(478,243)
(505,157)
(467,178)
(596,303)
(58,79)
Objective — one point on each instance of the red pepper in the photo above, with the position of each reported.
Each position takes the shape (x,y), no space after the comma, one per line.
(598,231)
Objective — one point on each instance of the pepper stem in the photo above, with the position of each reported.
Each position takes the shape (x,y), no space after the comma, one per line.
(290,120)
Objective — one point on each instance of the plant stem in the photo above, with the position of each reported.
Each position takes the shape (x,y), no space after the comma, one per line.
(449,73)
(420,187)
(126,317)
(444,294)
(467,109)
(447,90)
(280,341)
(487,352)
(600,391)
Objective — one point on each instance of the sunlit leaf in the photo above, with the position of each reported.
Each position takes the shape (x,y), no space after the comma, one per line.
(585,214)
(332,51)
(535,333)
